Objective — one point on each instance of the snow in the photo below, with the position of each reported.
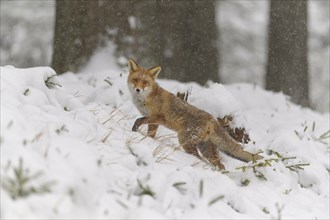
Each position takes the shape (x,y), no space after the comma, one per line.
(77,132)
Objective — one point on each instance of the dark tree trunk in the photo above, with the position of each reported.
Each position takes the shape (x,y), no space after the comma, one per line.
(77,34)
(180,36)
(196,57)
(115,16)
(287,67)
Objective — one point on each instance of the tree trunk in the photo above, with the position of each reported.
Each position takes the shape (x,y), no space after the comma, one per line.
(180,36)
(77,34)
(196,57)
(116,16)
(287,67)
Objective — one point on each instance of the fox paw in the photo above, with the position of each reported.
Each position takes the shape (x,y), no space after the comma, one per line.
(135,128)
(138,123)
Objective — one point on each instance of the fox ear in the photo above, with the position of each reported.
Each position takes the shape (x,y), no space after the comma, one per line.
(132,65)
(155,71)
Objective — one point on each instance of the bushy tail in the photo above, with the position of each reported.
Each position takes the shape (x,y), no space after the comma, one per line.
(231,147)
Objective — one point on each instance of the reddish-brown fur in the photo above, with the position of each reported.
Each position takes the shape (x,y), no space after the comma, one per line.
(198,132)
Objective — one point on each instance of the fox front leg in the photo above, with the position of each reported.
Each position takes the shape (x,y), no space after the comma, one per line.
(138,122)
(152,129)
(153,124)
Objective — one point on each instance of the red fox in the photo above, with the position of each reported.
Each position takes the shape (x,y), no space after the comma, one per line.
(198,132)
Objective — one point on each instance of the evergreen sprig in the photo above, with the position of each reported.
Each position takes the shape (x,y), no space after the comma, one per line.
(145,190)
(269,162)
(20,185)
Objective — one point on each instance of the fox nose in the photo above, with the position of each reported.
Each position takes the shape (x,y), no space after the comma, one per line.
(138,90)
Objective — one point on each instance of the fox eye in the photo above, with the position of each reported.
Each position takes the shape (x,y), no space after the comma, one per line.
(135,80)
(145,82)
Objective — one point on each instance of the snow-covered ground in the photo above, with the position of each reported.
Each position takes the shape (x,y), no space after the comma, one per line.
(27,28)
(67,151)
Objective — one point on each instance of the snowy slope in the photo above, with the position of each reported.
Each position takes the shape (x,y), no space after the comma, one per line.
(67,151)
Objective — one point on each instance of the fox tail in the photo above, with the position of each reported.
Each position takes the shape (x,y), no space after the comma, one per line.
(231,147)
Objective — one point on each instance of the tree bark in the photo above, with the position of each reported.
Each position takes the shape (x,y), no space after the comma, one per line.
(77,34)
(287,67)
(181,36)
(116,16)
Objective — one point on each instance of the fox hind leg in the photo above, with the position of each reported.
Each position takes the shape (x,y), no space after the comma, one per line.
(209,152)
(191,149)
(205,151)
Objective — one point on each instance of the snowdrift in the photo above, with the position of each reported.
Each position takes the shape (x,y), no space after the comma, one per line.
(67,151)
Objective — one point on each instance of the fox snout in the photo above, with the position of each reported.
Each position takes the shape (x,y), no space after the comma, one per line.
(139,90)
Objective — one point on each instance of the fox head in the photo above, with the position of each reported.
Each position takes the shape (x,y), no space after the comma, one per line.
(141,81)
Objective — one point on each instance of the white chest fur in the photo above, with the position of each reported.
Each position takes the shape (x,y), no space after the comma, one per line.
(139,101)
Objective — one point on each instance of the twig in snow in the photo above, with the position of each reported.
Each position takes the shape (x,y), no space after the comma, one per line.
(216,199)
